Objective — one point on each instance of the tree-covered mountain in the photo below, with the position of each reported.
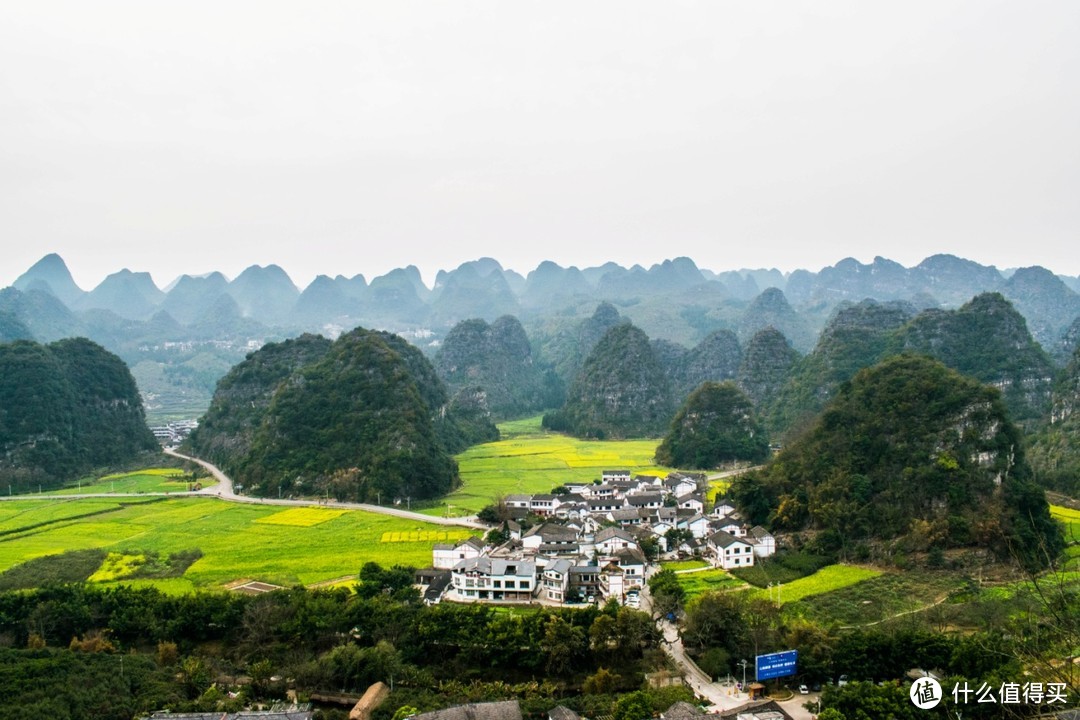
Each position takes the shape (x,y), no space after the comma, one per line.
(1046,302)
(856,337)
(622,390)
(765,366)
(986,339)
(715,425)
(66,408)
(1054,451)
(243,395)
(772,309)
(497,358)
(716,358)
(915,456)
(360,418)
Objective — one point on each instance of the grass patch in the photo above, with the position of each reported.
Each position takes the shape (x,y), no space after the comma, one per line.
(68,567)
(698,583)
(676,565)
(233,541)
(148,480)
(825,580)
(782,567)
(875,599)
(425,536)
(532,460)
(302,516)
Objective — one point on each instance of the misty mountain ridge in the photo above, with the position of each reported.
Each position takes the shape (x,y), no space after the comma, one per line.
(212,322)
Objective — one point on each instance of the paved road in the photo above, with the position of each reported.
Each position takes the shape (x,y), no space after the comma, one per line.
(224,491)
(721,697)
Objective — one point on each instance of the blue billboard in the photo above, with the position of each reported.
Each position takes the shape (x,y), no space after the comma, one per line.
(776,665)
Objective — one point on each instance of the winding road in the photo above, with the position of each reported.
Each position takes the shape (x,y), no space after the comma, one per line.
(224,490)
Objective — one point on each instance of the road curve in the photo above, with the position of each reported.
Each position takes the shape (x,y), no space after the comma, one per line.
(224,491)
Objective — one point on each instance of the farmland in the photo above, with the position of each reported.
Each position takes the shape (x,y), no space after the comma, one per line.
(713,579)
(295,546)
(150,480)
(825,580)
(531,460)
(1071,520)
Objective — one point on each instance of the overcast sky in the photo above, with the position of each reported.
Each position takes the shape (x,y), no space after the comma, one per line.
(355,137)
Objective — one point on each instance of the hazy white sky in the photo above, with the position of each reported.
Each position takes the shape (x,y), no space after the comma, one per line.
(346,137)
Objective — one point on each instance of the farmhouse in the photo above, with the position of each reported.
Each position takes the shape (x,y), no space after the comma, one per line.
(729,551)
(493,579)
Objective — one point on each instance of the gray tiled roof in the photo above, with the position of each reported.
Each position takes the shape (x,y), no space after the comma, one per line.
(504,710)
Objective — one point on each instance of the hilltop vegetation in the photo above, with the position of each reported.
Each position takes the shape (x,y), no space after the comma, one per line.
(65,408)
(985,339)
(621,391)
(912,455)
(497,358)
(715,425)
(361,418)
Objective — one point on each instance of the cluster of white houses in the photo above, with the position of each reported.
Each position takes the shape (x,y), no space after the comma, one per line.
(587,542)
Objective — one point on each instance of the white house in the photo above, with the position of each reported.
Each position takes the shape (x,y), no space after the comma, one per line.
(544,504)
(550,539)
(494,580)
(557,579)
(447,555)
(697,524)
(610,540)
(764,543)
(519,501)
(729,552)
(690,501)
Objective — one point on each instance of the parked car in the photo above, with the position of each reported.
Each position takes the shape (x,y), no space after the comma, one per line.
(803,690)
(842,681)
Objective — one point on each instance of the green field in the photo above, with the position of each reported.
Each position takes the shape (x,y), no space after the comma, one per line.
(531,460)
(825,580)
(1071,520)
(150,480)
(697,583)
(677,565)
(237,540)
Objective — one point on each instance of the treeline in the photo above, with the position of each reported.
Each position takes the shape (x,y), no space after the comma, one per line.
(332,640)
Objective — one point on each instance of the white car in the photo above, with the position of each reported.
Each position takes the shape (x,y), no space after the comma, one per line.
(803,690)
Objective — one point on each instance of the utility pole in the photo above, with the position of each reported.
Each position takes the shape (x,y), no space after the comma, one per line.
(743,663)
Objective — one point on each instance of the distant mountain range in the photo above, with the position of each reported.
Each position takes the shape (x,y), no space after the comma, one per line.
(179,340)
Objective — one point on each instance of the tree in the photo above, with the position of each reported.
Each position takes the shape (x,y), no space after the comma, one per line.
(634,706)
(715,425)
(666,592)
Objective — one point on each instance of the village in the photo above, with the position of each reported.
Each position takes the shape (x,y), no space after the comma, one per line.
(592,542)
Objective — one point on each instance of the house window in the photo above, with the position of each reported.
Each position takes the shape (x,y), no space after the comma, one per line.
(498,583)
(524,584)
(736,561)
(509,583)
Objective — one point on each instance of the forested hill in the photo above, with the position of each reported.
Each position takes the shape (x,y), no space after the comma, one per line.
(907,457)
(497,358)
(362,417)
(65,408)
(621,391)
